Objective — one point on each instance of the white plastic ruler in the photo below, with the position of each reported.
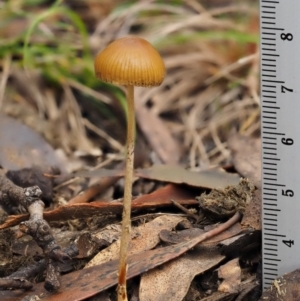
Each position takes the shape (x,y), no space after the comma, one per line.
(280,131)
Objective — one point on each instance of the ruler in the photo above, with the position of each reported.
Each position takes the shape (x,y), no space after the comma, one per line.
(280,131)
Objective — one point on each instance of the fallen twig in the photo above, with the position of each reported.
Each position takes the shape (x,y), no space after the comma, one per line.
(28,199)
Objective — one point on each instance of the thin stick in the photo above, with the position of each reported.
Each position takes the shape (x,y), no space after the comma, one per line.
(126,224)
(183,209)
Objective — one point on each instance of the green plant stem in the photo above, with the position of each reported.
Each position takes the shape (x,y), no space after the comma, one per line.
(126,223)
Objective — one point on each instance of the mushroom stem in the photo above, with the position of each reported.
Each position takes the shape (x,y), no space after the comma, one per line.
(126,223)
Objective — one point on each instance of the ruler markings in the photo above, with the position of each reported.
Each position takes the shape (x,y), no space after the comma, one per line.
(270,127)
(272,159)
(269,39)
(268,75)
(270,54)
(274,133)
(270,229)
(272,148)
(272,234)
(269,1)
(272,259)
(273,81)
(271,273)
(272,28)
(269,101)
(272,266)
(269,117)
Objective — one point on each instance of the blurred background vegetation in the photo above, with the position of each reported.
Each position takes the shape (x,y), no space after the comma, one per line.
(210,49)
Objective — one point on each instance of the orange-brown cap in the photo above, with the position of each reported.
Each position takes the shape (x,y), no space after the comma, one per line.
(130,61)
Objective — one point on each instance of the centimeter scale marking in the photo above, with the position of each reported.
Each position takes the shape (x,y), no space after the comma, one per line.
(280,126)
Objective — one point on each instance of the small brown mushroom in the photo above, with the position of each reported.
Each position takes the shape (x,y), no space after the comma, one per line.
(129,61)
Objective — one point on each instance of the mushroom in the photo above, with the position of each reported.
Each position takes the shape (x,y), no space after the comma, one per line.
(129,61)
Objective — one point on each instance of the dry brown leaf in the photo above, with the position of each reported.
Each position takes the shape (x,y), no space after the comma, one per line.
(145,237)
(210,178)
(246,157)
(231,275)
(172,280)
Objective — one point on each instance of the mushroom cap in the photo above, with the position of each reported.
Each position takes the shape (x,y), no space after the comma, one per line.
(130,61)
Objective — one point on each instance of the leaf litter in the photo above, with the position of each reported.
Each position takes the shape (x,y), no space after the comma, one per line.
(211,87)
